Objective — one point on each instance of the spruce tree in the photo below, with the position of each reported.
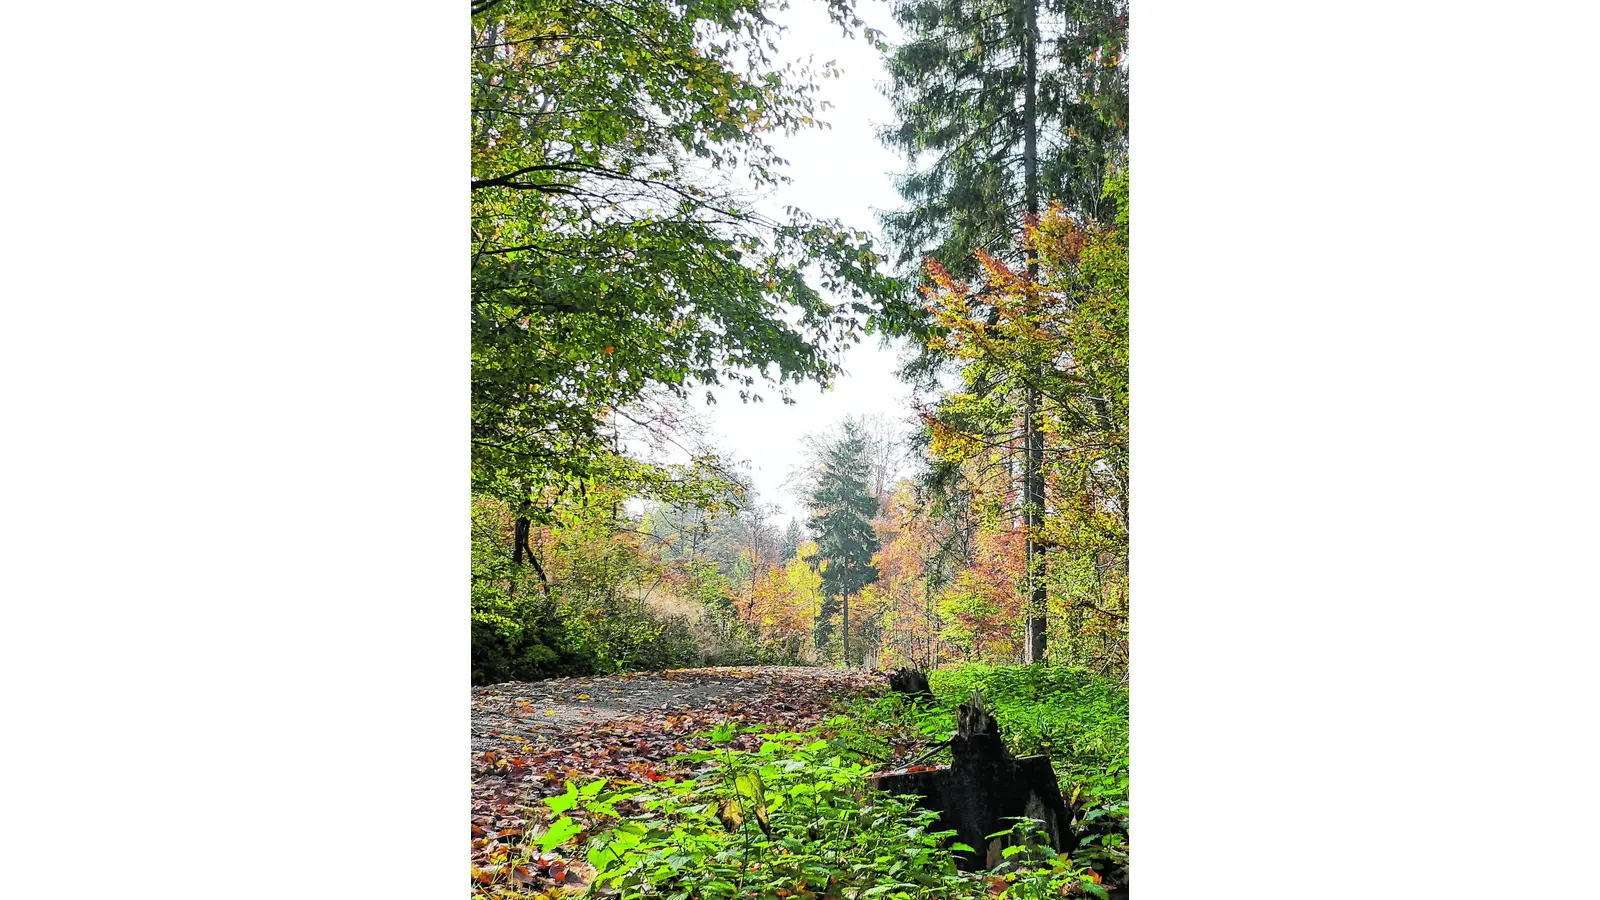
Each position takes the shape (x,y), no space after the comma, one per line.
(1004,105)
(842,508)
(1001,106)
(792,537)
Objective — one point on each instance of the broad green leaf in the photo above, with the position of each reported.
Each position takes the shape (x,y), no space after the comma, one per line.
(559,832)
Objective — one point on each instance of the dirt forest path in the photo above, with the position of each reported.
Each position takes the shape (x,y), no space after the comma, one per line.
(530,737)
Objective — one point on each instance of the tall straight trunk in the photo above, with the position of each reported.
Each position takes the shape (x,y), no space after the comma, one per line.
(1034,645)
(845,637)
(1033,443)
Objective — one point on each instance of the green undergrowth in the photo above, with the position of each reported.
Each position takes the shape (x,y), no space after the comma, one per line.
(795,819)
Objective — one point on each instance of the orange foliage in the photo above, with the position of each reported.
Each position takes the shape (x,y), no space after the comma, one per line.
(773,607)
(982,609)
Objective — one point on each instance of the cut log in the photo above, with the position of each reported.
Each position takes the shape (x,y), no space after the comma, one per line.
(910,681)
(984,787)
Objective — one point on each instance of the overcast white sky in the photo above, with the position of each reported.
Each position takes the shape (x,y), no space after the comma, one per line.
(842,172)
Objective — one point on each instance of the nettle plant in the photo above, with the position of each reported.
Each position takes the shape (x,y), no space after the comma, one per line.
(793,819)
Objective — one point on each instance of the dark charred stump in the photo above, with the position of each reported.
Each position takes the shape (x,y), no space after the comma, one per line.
(910,681)
(984,787)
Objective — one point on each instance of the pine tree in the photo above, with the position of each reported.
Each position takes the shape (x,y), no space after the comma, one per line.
(842,509)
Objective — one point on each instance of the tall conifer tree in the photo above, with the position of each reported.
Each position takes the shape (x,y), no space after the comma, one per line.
(1004,105)
(842,508)
(974,86)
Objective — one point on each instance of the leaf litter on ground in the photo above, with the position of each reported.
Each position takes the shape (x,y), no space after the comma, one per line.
(531,739)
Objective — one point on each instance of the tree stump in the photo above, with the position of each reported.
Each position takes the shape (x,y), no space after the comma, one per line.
(983,787)
(910,681)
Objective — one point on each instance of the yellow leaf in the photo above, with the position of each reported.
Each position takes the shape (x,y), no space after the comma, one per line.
(730,814)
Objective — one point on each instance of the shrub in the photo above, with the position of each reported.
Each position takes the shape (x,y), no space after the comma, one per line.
(792,819)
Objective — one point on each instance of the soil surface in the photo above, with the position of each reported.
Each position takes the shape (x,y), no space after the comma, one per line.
(573,705)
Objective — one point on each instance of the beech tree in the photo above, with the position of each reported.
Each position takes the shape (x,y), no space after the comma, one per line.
(1064,332)
(611,252)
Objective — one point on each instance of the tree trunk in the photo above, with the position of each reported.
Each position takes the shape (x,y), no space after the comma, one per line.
(520,548)
(1033,649)
(845,635)
(519,540)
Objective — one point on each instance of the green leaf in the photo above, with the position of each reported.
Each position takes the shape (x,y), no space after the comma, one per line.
(749,785)
(563,802)
(560,831)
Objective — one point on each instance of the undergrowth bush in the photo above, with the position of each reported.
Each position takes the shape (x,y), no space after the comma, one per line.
(549,636)
(590,599)
(793,819)
(596,603)
(1079,720)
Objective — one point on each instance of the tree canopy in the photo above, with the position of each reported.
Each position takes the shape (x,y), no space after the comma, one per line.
(624,269)
(615,246)
(978,86)
(1065,334)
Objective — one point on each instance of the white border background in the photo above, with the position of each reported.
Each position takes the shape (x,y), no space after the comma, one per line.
(234,354)
(1364,447)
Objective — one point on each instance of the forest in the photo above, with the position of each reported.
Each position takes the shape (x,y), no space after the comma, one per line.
(623,266)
